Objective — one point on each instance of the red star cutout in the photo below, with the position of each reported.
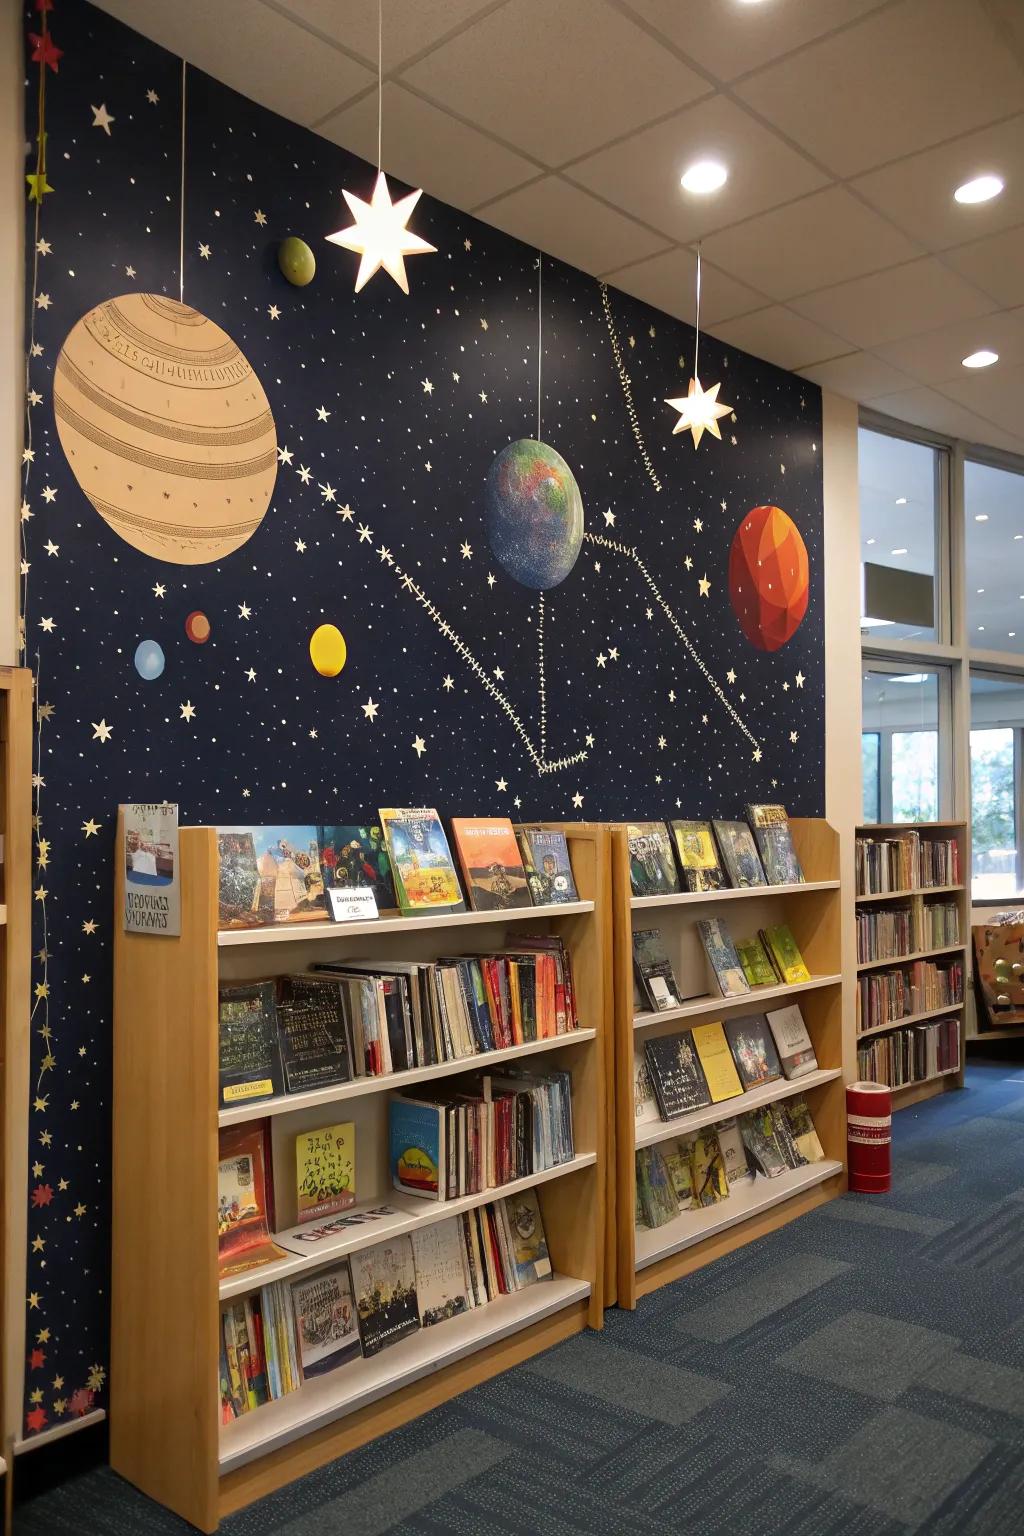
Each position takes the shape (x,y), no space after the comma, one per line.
(82,1401)
(45,50)
(42,1195)
(36,1419)
(36,1360)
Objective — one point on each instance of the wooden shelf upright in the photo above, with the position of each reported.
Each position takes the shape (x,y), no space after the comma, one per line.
(166,1435)
(650,1258)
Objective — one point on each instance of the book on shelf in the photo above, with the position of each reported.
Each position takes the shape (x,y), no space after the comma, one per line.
(760,1131)
(269,875)
(912,1054)
(655,1189)
(652,867)
(548,870)
(734,1153)
(796,1051)
(801,1127)
(758,967)
(356,858)
(700,867)
(887,997)
(326,1326)
(492,866)
(325,1171)
(716,1060)
(678,1159)
(421,862)
(384,1288)
(770,826)
(248,1049)
(245,1202)
(653,970)
(722,957)
(645,1104)
(315,1032)
(753,1049)
(908,860)
(531,1260)
(676,1074)
(785,953)
(740,857)
(442,1286)
(417,1147)
(709,1181)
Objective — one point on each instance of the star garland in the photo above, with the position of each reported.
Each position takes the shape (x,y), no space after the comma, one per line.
(627,387)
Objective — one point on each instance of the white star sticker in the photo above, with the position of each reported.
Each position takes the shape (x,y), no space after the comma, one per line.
(159,590)
(483,396)
(730,676)
(597,566)
(428,466)
(601,659)
(757,754)
(703,719)
(47,626)
(467,244)
(589,739)
(365,533)
(44,247)
(49,493)
(502,785)
(322,413)
(484,325)
(609,518)
(101,731)
(793,735)
(51,548)
(244,610)
(305,475)
(698,525)
(284,455)
(649,613)
(785,687)
(300,546)
(800,679)
(428,388)
(688,563)
(704,585)
(385,554)
(260,216)
(419,746)
(517,802)
(379,235)
(187,710)
(251,675)
(34,397)
(466,551)
(455,377)
(129,271)
(577,800)
(204,250)
(662,743)
(613,653)
(671,695)
(499,674)
(449,683)
(723,504)
(152,97)
(101,118)
(274,312)
(345,513)
(491,579)
(327,492)
(370,708)
(312,733)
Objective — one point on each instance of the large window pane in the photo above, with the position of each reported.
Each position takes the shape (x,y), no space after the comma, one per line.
(900,743)
(899,499)
(869,774)
(994,542)
(997,723)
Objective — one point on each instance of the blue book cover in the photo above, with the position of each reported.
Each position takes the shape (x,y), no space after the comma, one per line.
(416,1147)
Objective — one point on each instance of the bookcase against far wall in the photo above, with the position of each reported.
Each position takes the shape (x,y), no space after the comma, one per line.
(166,1436)
(649,1258)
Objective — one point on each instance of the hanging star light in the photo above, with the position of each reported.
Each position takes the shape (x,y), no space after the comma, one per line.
(379,234)
(700,409)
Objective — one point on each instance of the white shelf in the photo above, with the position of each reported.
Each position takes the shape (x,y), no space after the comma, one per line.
(744,1200)
(918,954)
(684,1125)
(911,1018)
(325,1399)
(691,898)
(409,1213)
(747,1002)
(919,1082)
(257,1109)
(295,933)
(922,890)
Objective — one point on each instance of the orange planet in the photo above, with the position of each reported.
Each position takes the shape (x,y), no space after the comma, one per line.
(197,627)
(769,577)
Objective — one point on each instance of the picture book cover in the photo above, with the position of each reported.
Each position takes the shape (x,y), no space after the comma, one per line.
(652,867)
(529,1244)
(243,1200)
(356,857)
(709,1181)
(657,1197)
(441,1288)
(645,1106)
(492,866)
(421,862)
(654,970)
(248,1052)
(325,1320)
(771,829)
(756,963)
(325,1170)
(417,1151)
(753,1050)
(384,1286)
(548,870)
(678,1156)
(784,1137)
(781,945)
(801,1128)
(315,1046)
(734,1153)
(739,854)
(716,1058)
(700,867)
(676,1074)
(757,1128)
(288,887)
(792,1041)
(722,956)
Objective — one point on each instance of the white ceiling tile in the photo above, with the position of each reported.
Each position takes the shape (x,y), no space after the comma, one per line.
(270,59)
(928,408)
(859,376)
(642,174)
(556,80)
(427,148)
(937,356)
(995,265)
(906,77)
(571,225)
(409,26)
(825,238)
(729,39)
(917,193)
(780,336)
(903,301)
(994,393)
(668,281)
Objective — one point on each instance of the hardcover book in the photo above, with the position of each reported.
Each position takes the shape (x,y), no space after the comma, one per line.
(676,1074)
(759,1137)
(716,1059)
(384,1286)
(656,1194)
(355,857)
(417,1147)
(678,1156)
(801,1128)
(734,1153)
(492,867)
(249,1056)
(645,1107)
(722,956)
(757,967)
(770,826)
(792,1041)
(654,970)
(441,1288)
(425,878)
(754,1050)
(244,1200)
(709,1181)
(699,865)
(529,1245)
(782,947)
(288,887)
(652,868)
(315,1042)
(739,854)
(325,1320)
(548,870)
(325,1171)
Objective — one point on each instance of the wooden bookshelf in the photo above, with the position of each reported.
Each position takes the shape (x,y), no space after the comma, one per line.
(916,897)
(647,1259)
(15,960)
(166,1435)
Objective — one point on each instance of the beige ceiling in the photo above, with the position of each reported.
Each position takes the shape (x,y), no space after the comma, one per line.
(835,248)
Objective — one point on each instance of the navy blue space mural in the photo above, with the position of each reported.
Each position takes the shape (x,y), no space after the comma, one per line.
(537,602)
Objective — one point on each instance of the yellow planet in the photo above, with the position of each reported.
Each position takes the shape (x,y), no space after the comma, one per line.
(167,429)
(327,650)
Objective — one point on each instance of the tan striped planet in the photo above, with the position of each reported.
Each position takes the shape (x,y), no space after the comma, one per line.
(166,428)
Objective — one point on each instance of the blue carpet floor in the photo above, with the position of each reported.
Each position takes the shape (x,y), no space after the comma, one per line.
(860,1371)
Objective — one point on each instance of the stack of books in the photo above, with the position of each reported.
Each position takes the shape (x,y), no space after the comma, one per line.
(911,1055)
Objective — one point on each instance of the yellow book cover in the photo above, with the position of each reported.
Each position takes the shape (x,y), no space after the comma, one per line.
(716,1059)
(784,951)
(325,1170)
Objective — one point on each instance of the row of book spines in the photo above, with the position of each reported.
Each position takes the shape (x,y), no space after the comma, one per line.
(911,1055)
(891,934)
(259,1357)
(888,996)
(905,861)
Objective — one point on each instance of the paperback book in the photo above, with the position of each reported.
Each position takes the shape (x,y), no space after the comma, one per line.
(734,1153)
(325,1320)
(709,1182)
(421,862)
(653,970)
(354,858)
(529,1245)
(678,1158)
(756,963)
(417,1144)
(781,945)
(244,1199)
(384,1287)
(645,1104)
(548,870)
(792,1041)
(269,875)
(760,1137)
(314,1033)
(325,1171)
(676,1074)
(700,867)
(249,1055)
(652,868)
(722,956)
(753,1050)
(716,1059)
(771,829)
(739,854)
(492,866)
(441,1287)
(655,1191)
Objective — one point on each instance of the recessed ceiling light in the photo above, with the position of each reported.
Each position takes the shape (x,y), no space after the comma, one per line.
(901,501)
(981,517)
(704,176)
(897,551)
(980,591)
(981,629)
(979,190)
(982,359)
(871,541)
(1011,634)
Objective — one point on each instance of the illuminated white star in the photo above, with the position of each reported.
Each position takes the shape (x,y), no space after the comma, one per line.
(662,743)
(34,397)
(688,563)
(379,235)
(699,411)
(785,687)
(499,674)
(757,754)
(47,626)
(649,613)
(613,653)
(483,396)
(517,802)
(419,746)
(484,326)
(44,247)
(793,735)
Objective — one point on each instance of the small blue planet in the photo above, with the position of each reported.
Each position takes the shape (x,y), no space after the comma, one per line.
(533,514)
(149,660)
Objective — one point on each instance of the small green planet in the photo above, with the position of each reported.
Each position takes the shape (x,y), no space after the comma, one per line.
(296,261)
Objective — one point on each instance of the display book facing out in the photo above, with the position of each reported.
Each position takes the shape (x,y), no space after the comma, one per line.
(317,1141)
(686,961)
(913,927)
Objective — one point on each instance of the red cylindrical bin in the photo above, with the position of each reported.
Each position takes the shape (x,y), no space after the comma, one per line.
(869,1137)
